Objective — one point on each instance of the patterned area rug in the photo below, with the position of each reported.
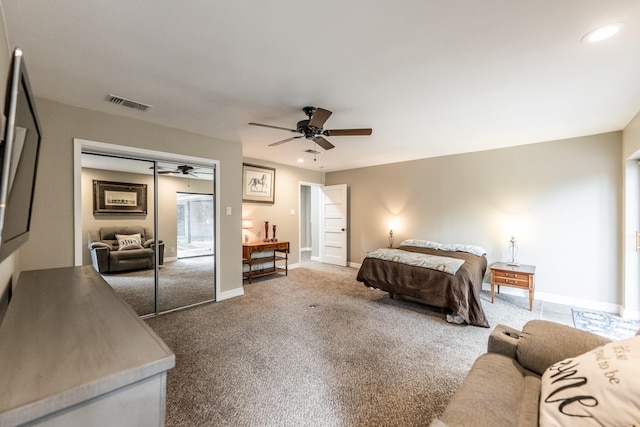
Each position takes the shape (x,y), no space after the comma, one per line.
(605,324)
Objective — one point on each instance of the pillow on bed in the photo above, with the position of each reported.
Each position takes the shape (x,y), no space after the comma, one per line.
(597,388)
(452,247)
(459,247)
(421,243)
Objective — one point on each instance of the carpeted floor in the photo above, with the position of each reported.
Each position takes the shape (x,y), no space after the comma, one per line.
(605,324)
(317,348)
(181,283)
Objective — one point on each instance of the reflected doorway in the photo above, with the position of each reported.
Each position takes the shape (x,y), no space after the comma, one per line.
(195,218)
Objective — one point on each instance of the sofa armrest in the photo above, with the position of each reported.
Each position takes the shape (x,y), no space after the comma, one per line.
(100,258)
(504,340)
(160,251)
(543,343)
(94,245)
(147,243)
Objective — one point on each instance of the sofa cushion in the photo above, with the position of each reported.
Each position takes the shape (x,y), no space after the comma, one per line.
(599,387)
(497,392)
(129,241)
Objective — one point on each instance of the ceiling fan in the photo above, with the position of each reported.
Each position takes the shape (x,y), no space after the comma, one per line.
(182,170)
(311,128)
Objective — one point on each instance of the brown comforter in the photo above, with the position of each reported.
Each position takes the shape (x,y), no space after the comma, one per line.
(459,293)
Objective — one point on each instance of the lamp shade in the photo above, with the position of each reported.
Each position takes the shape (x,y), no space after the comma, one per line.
(247,224)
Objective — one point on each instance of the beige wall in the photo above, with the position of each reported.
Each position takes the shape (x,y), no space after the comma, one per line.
(561,199)
(52,239)
(287,198)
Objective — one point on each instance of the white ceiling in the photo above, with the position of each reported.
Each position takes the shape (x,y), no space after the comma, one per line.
(430,77)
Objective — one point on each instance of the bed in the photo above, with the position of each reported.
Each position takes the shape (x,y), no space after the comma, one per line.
(453,281)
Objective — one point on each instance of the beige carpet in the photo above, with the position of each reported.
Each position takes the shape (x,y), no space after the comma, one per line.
(317,348)
(183,282)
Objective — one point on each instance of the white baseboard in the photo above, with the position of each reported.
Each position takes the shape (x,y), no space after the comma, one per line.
(355,265)
(170,259)
(294,266)
(560,299)
(315,258)
(238,292)
(630,314)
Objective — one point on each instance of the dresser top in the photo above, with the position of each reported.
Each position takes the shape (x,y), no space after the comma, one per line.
(66,338)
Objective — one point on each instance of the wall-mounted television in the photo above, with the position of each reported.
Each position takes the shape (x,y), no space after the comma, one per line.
(19,152)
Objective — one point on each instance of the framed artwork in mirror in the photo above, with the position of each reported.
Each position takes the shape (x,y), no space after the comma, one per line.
(119,198)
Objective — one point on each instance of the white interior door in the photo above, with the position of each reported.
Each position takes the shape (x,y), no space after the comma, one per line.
(334,224)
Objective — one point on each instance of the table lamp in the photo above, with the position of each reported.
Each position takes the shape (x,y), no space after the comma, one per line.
(247,224)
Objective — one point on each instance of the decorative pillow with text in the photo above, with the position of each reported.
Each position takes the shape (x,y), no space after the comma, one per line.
(129,241)
(597,388)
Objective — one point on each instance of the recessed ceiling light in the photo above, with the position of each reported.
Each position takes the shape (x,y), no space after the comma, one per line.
(300,160)
(603,33)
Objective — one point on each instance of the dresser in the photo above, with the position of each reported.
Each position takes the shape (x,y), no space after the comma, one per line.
(515,276)
(262,259)
(73,353)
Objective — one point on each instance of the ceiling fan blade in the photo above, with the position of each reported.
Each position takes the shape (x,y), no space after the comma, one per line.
(284,140)
(323,143)
(347,132)
(272,127)
(319,117)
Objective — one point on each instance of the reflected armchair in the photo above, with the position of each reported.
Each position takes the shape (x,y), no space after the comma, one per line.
(122,248)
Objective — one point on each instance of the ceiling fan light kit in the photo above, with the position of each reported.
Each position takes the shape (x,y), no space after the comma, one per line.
(312,128)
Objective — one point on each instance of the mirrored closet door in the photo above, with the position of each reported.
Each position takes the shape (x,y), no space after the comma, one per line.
(125,203)
(187,203)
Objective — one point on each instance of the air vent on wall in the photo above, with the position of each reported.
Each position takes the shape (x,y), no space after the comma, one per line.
(128,103)
(310,151)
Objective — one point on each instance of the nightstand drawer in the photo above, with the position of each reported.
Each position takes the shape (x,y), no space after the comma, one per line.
(522,281)
(511,275)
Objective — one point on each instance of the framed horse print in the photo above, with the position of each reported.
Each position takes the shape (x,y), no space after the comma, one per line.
(258,184)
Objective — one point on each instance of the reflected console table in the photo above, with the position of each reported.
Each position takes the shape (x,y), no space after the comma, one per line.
(262,257)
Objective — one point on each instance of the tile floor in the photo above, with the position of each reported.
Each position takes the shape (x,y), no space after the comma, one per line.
(557,313)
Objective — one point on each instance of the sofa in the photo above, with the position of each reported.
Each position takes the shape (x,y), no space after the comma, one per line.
(123,248)
(538,376)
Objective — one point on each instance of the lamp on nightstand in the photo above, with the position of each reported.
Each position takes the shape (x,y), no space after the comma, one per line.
(392,225)
(514,249)
(247,224)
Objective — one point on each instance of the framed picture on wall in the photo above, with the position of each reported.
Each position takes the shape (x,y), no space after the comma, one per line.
(258,184)
(119,198)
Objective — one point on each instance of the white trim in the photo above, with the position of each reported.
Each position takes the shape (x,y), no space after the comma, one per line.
(355,265)
(629,314)
(170,259)
(294,266)
(559,299)
(238,292)
(100,147)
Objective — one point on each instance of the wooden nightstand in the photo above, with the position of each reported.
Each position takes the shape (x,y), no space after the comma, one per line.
(520,276)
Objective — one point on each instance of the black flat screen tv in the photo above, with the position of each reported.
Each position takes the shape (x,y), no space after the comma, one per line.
(19,151)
